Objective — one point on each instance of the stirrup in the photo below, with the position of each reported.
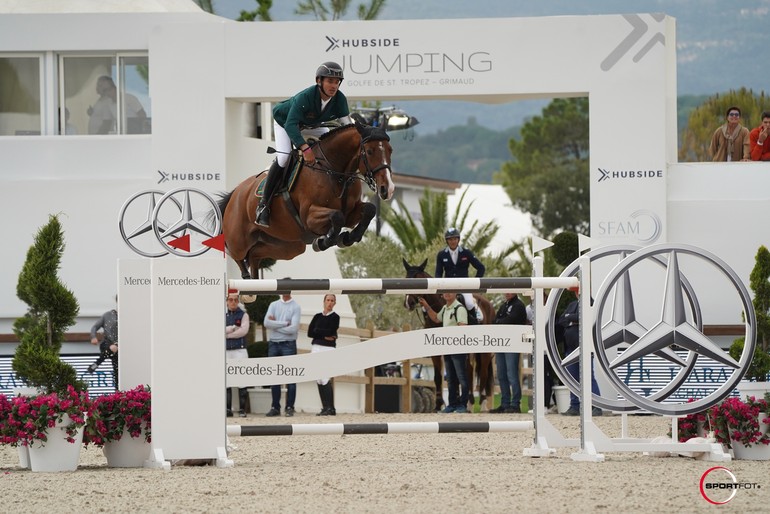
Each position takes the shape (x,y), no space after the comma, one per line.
(263,216)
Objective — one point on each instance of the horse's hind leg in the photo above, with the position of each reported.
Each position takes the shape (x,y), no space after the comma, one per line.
(438,380)
(486,377)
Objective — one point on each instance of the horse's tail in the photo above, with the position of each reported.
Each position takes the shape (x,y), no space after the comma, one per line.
(222,201)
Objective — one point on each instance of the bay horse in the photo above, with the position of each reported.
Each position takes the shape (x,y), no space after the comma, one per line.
(481,363)
(324,198)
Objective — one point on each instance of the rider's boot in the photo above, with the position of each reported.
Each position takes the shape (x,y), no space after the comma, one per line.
(273,177)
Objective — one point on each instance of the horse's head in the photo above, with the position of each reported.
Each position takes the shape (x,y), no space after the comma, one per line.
(374,164)
(434,300)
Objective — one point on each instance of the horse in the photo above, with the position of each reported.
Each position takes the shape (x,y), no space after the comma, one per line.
(480,362)
(323,199)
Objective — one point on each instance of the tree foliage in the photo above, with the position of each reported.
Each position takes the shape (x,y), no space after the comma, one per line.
(336,9)
(548,177)
(710,115)
(261,13)
(52,309)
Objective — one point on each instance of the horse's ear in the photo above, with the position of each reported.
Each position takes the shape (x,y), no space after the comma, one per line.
(358,119)
(406,264)
(424,263)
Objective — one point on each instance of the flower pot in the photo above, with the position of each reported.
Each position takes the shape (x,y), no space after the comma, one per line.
(756,451)
(23,456)
(128,452)
(562,398)
(755,389)
(57,454)
(753,452)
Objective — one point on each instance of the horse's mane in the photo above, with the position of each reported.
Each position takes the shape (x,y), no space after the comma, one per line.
(368,133)
(335,131)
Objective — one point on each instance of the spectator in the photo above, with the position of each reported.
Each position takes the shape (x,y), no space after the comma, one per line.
(549,375)
(452,314)
(282,323)
(104,113)
(730,142)
(570,320)
(760,146)
(323,331)
(512,312)
(454,260)
(236,328)
(108,347)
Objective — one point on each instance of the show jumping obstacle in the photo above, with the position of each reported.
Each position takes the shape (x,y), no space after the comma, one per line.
(379,428)
(192,291)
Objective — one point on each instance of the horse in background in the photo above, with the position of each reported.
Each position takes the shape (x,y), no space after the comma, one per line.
(313,205)
(483,378)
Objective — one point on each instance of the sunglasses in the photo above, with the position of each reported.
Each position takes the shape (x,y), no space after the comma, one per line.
(735,114)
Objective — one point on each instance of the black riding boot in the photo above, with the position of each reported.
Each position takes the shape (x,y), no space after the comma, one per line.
(243,397)
(229,402)
(273,178)
(328,395)
(322,395)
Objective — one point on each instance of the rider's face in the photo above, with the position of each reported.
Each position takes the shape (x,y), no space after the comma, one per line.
(453,242)
(329,86)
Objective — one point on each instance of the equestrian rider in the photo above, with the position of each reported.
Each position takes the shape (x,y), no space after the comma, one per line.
(307,109)
(454,260)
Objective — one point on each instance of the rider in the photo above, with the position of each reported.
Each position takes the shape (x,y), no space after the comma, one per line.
(308,108)
(454,260)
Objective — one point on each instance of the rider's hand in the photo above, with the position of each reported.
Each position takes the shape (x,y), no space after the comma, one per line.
(308,154)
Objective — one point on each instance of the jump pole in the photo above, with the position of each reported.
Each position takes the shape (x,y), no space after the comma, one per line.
(380,428)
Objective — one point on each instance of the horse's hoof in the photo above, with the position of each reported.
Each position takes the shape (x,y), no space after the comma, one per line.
(248,298)
(317,246)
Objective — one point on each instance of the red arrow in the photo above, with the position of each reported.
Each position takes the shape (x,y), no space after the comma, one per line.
(182,243)
(217,243)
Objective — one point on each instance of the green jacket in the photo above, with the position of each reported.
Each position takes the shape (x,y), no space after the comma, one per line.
(304,110)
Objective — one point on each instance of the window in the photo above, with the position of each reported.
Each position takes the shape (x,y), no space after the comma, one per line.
(104,95)
(20,103)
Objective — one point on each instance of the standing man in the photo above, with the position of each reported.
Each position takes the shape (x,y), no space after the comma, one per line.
(236,328)
(512,312)
(452,314)
(730,142)
(454,260)
(570,320)
(758,138)
(282,323)
(108,347)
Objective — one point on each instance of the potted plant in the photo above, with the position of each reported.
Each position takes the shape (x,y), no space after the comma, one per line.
(50,425)
(743,426)
(121,423)
(52,309)
(755,381)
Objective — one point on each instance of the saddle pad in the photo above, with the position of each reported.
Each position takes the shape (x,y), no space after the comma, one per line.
(295,165)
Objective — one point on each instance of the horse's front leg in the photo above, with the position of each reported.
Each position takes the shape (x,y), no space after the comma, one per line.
(368,211)
(336,222)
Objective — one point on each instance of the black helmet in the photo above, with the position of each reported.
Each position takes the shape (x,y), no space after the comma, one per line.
(451,232)
(329,69)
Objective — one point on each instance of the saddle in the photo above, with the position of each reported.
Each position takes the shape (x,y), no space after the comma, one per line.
(289,178)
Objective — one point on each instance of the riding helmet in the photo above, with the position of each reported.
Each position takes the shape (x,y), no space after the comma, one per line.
(329,69)
(452,232)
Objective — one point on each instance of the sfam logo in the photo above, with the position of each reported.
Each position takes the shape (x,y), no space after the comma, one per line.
(643,225)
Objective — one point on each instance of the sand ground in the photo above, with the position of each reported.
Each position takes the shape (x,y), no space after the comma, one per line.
(414,473)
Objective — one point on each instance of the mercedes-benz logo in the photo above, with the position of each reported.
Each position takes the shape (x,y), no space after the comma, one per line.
(622,327)
(180,213)
(674,328)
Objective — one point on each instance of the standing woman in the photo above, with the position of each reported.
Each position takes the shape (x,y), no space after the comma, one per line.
(323,331)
